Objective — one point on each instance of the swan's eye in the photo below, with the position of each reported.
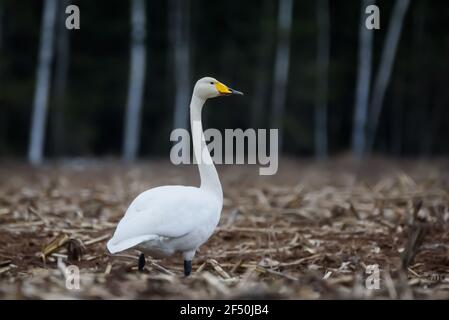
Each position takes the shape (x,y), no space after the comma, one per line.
(211,82)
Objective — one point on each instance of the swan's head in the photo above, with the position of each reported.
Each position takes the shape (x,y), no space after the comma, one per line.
(208,87)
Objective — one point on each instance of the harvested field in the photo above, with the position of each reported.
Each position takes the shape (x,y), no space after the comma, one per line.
(310,232)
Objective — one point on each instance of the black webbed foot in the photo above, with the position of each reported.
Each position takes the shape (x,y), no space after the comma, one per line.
(187,267)
(141,263)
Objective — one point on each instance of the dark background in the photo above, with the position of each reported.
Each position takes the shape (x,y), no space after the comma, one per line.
(228,39)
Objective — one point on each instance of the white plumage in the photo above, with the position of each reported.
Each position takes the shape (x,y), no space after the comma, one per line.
(169,219)
(172,218)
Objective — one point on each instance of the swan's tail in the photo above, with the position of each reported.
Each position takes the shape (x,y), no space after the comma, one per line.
(115,246)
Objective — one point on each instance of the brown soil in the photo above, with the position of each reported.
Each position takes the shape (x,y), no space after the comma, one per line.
(309,232)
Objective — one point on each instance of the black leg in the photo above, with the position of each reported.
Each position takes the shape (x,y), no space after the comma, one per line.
(187,267)
(141,263)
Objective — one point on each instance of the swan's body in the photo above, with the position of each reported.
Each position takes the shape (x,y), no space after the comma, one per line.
(169,219)
(164,220)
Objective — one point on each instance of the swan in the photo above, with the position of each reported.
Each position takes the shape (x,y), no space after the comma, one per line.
(169,219)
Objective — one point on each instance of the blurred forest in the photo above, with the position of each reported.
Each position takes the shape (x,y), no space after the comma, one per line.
(313,47)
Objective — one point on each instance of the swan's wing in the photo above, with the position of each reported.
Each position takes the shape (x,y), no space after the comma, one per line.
(169,212)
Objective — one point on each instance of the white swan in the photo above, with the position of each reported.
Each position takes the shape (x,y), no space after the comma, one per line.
(169,219)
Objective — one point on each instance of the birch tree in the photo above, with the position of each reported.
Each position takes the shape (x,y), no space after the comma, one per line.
(136,81)
(281,66)
(61,71)
(323,48)
(180,29)
(363,83)
(386,66)
(39,115)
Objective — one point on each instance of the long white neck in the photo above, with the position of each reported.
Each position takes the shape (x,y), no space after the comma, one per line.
(208,174)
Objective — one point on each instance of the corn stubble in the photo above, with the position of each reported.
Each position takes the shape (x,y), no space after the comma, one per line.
(308,233)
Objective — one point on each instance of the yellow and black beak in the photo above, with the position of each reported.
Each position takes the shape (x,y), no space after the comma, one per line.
(225,90)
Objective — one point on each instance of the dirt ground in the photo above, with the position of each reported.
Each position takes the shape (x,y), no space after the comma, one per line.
(310,232)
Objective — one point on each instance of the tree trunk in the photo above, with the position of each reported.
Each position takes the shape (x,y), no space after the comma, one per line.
(363,84)
(39,116)
(323,52)
(136,81)
(62,65)
(281,66)
(386,67)
(180,28)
